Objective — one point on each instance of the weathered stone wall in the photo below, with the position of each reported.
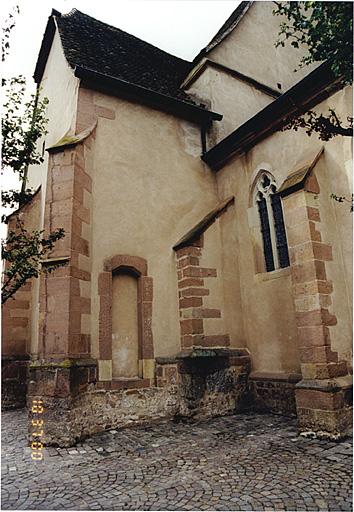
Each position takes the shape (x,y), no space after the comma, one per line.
(16,321)
(14,377)
(273,393)
(76,405)
(96,410)
(209,390)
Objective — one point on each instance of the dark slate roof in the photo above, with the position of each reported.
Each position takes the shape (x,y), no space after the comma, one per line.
(226,28)
(99,47)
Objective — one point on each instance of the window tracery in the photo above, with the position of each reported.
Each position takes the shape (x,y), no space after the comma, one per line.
(275,246)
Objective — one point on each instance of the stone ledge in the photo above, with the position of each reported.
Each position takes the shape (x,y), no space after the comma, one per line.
(327,385)
(19,357)
(212,352)
(64,363)
(166,360)
(124,384)
(277,377)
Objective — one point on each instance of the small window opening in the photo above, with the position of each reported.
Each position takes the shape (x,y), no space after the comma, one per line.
(275,246)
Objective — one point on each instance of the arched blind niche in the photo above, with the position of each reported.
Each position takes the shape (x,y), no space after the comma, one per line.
(125,327)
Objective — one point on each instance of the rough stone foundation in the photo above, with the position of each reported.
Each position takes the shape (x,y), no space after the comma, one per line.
(325,407)
(274,392)
(14,378)
(67,421)
(194,385)
(213,382)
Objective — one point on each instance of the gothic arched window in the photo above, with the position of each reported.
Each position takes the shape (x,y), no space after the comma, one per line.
(275,246)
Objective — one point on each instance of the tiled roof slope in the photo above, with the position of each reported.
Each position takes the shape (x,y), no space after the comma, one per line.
(94,45)
(227,27)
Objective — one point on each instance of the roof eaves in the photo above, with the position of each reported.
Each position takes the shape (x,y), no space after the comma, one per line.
(45,46)
(311,90)
(297,177)
(203,225)
(131,91)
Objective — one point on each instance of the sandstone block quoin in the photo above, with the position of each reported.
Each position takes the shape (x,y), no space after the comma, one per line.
(191,278)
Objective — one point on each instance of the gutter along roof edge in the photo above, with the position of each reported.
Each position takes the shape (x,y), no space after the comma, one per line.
(310,91)
(160,101)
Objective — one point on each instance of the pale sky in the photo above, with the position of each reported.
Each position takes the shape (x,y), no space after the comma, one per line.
(180,27)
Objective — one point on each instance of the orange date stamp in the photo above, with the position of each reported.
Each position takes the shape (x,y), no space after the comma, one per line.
(37,424)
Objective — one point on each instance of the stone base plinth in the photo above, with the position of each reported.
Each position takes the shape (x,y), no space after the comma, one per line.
(14,380)
(76,405)
(73,404)
(213,382)
(55,386)
(274,392)
(324,407)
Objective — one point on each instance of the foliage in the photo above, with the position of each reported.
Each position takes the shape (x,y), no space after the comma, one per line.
(23,252)
(343,199)
(326,127)
(9,24)
(23,125)
(325,31)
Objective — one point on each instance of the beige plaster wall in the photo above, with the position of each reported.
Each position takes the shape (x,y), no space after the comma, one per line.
(60,86)
(212,258)
(250,49)
(125,344)
(334,173)
(236,100)
(149,188)
(262,304)
(267,307)
(225,288)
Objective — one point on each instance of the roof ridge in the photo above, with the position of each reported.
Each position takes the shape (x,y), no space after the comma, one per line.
(117,29)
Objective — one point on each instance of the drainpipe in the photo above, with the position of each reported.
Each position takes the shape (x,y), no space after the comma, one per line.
(203,132)
(203,135)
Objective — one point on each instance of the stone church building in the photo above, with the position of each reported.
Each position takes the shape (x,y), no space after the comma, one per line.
(208,269)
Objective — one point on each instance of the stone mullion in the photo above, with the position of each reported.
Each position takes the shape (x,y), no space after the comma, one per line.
(273,235)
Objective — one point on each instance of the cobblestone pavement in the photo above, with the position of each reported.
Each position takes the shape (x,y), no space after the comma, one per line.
(243,462)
